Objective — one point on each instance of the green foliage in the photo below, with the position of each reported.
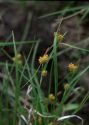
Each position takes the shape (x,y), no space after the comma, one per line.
(13,103)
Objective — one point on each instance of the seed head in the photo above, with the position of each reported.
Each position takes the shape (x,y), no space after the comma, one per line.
(72,67)
(44,73)
(43,59)
(18,57)
(59,36)
(66,86)
(51,97)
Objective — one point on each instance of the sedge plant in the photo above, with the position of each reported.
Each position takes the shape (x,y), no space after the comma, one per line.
(22,99)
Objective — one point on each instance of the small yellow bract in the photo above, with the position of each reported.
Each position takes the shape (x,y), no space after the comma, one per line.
(51,123)
(66,86)
(43,59)
(44,72)
(18,57)
(51,97)
(59,36)
(72,67)
(40,120)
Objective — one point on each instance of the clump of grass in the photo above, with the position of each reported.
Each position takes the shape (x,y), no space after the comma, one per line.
(22,100)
